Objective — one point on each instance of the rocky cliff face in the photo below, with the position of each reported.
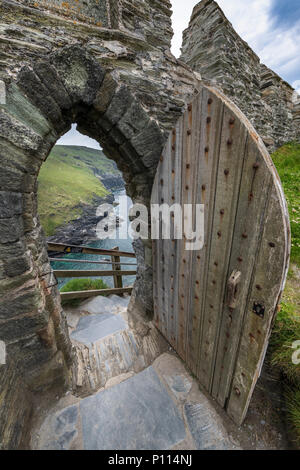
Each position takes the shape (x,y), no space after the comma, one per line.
(72,183)
(82,230)
(112,183)
(212,47)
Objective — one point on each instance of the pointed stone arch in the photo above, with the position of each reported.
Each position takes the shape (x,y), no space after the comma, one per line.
(42,102)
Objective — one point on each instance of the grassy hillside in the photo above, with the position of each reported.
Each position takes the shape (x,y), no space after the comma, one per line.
(67,179)
(287,162)
(287,326)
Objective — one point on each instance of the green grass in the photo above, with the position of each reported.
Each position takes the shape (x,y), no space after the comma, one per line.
(293,408)
(287,162)
(75,285)
(287,325)
(66,180)
(286,332)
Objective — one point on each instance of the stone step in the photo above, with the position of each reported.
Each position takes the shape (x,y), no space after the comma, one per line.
(159,408)
(106,347)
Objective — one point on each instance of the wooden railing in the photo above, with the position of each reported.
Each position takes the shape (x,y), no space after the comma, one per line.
(114,259)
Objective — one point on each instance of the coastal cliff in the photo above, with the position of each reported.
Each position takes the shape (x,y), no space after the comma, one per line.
(72,183)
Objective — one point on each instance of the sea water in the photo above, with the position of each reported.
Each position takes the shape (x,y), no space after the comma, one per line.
(107,244)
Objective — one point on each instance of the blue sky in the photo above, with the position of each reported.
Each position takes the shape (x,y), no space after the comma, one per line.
(271,28)
(285,12)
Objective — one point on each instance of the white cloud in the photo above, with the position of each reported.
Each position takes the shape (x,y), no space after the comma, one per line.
(73,137)
(250,19)
(296,85)
(277,47)
(182,11)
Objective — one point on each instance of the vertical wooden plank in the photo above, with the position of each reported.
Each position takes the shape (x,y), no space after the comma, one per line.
(252,201)
(184,255)
(159,259)
(174,198)
(267,284)
(165,183)
(155,254)
(205,157)
(232,150)
(176,244)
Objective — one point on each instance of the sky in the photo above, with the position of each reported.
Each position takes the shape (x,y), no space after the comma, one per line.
(73,137)
(271,28)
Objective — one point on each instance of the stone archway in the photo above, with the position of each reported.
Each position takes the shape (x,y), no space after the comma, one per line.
(42,103)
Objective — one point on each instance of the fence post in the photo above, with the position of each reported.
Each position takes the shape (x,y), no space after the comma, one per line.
(118,283)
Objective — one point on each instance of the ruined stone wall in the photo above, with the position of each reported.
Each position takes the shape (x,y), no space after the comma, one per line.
(212,47)
(44,51)
(140,61)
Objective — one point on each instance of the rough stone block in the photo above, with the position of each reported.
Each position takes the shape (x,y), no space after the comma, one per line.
(17,266)
(23,110)
(20,327)
(11,179)
(49,76)
(11,229)
(134,120)
(11,250)
(30,355)
(30,222)
(18,134)
(30,83)
(79,72)
(105,93)
(119,104)
(149,144)
(17,159)
(117,136)
(10,204)
(132,158)
(53,373)
(15,407)
(13,305)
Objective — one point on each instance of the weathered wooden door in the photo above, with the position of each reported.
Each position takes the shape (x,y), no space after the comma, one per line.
(216,305)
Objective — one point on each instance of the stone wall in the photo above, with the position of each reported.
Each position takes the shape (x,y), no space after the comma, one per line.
(212,47)
(97,12)
(122,87)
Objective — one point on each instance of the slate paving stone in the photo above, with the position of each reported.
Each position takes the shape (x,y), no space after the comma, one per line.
(59,430)
(100,304)
(135,414)
(92,328)
(205,427)
(179,385)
